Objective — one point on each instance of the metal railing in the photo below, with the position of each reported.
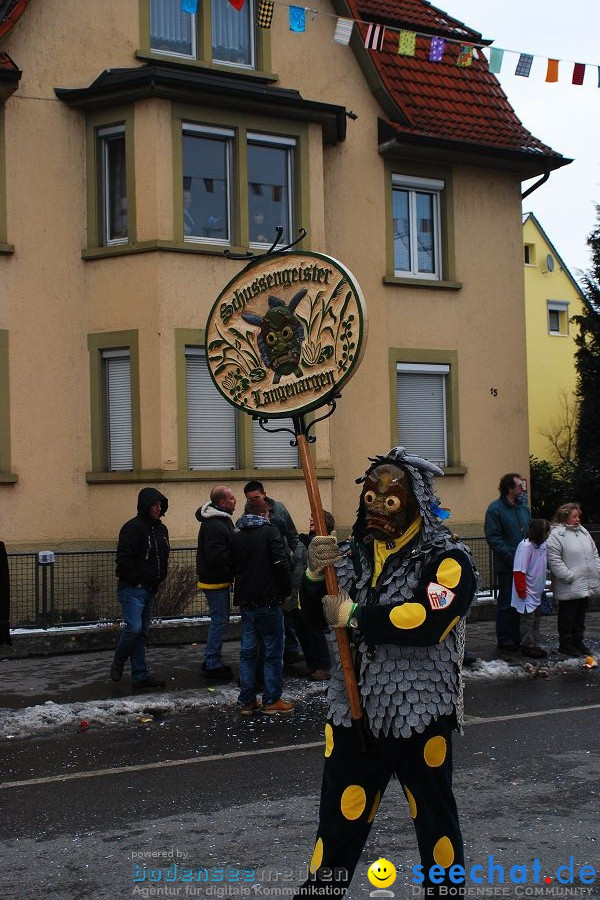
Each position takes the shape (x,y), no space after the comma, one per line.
(75,587)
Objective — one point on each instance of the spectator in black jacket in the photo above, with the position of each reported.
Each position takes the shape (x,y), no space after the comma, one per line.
(142,561)
(213,568)
(261,567)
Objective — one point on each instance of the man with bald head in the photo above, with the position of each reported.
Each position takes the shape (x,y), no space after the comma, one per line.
(214,574)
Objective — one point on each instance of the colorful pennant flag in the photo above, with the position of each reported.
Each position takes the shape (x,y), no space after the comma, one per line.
(375,36)
(578,73)
(343,31)
(496,57)
(264,13)
(552,70)
(436,51)
(465,56)
(524,65)
(407,43)
(237,4)
(297,18)
(189,6)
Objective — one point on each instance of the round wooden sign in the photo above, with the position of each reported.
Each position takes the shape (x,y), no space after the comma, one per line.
(286,334)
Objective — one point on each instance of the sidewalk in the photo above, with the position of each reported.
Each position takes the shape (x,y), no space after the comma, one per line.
(76,677)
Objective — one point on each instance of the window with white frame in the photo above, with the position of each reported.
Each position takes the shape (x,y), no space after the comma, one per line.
(112,185)
(270,180)
(421,392)
(558,317)
(118,425)
(273,450)
(211,420)
(207,183)
(416,226)
(177,32)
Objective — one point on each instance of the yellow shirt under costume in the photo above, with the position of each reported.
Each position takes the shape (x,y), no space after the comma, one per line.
(381,552)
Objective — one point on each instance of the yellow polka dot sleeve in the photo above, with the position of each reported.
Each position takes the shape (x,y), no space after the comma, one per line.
(443,595)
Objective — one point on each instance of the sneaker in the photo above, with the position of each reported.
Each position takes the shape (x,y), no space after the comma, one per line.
(249,708)
(149,683)
(219,673)
(116,670)
(320,675)
(280,706)
(569,650)
(534,652)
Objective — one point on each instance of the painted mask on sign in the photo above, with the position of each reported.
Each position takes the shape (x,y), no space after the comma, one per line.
(280,337)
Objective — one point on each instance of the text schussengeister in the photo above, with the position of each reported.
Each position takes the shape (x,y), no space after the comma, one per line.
(281,278)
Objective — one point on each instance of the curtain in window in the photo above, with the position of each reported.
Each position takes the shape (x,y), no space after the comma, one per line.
(171,30)
(422,414)
(232,33)
(119,432)
(211,420)
(402,260)
(273,451)
(115,188)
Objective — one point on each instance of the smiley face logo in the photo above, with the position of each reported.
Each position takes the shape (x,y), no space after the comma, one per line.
(381,873)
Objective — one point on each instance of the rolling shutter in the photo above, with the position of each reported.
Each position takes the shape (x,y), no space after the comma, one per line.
(211,420)
(421,399)
(119,434)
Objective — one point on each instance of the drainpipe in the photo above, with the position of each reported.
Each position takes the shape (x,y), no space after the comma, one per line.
(535,186)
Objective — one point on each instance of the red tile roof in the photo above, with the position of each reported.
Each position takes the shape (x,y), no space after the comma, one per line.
(439,101)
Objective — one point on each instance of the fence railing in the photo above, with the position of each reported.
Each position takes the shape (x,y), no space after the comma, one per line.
(79,586)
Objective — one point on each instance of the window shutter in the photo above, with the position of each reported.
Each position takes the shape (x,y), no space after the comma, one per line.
(211,420)
(421,399)
(119,434)
(273,451)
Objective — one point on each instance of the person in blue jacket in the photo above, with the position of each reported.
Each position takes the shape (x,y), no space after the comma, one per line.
(507,522)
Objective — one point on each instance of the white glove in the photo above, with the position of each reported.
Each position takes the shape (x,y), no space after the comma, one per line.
(338,609)
(323,551)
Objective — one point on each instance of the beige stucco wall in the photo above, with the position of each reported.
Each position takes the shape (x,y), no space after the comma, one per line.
(53,298)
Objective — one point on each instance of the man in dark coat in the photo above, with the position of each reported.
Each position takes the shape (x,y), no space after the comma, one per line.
(261,566)
(507,521)
(142,561)
(213,568)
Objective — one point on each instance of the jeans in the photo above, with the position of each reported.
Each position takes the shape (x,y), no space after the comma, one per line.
(136,603)
(262,626)
(508,626)
(218,606)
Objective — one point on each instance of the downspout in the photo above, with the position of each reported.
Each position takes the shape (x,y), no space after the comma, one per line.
(535,186)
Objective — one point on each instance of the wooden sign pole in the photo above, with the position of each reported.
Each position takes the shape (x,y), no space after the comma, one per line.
(346,661)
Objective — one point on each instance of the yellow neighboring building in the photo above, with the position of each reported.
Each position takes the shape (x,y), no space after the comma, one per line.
(552,298)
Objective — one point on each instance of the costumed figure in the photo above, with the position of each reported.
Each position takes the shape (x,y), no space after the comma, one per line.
(405,585)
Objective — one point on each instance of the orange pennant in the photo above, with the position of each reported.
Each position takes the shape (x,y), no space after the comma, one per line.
(552,70)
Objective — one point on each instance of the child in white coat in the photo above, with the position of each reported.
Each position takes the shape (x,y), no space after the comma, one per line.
(529,580)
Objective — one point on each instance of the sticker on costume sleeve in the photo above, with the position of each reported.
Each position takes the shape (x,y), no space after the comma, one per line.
(440,597)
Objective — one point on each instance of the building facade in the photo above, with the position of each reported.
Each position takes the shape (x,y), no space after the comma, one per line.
(143,148)
(552,298)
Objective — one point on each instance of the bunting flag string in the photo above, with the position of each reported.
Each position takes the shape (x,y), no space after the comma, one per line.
(439,46)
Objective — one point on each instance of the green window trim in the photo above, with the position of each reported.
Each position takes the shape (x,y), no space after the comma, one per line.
(212,476)
(204,46)
(241,125)
(447,280)
(123,115)
(6,476)
(98,342)
(435,357)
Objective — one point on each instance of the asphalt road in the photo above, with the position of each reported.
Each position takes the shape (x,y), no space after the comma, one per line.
(211,789)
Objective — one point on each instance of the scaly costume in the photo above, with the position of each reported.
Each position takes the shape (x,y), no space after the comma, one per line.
(405,586)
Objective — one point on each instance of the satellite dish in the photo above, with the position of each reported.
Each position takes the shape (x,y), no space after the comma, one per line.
(550,262)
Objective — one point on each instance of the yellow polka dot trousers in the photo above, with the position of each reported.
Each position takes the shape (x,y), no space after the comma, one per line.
(353,785)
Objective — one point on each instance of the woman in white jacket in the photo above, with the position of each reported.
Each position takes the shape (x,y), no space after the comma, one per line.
(574,564)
